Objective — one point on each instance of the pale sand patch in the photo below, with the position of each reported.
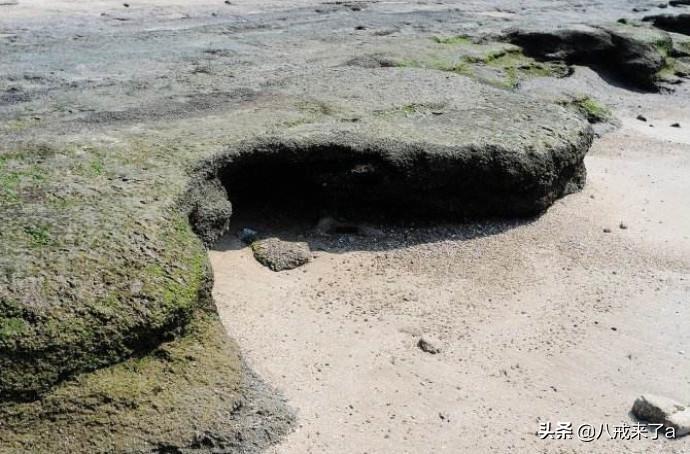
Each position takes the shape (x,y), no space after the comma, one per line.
(552,320)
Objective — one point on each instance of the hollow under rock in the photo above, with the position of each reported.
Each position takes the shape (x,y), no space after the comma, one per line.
(483,152)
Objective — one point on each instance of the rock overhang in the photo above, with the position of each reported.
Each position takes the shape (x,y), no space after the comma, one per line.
(439,138)
(447,146)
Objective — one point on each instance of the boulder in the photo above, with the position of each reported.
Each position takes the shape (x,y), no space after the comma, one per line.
(426,145)
(616,50)
(677,23)
(209,210)
(575,44)
(279,255)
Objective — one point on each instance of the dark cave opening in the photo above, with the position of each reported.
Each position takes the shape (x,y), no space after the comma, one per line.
(310,183)
(291,184)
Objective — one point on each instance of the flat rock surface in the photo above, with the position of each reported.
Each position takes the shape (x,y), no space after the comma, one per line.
(414,105)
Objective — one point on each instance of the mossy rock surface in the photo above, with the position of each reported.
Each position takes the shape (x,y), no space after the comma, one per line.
(633,54)
(499,64)
(120,136)
(100,261)
(190,394)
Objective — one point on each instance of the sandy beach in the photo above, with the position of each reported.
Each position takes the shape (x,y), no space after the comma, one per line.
(548,321)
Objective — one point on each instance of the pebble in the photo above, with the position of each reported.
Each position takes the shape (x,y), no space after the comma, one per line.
(662,410)
(429,345)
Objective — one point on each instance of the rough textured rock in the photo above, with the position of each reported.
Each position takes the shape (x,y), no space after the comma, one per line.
(677,23)
(192,394)
(102,257)
(424,144)
(574,44)
(280,255)
(655,409)
(484,152)
(616,49)
(210,210)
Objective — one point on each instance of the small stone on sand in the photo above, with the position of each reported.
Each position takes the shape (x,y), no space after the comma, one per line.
(279,255)
(655,409)
(429,345)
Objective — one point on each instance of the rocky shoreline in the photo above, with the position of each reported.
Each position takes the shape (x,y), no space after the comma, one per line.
(126,148)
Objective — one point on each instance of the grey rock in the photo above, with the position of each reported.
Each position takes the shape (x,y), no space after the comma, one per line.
(677,23)
(617,50)
(209,210)
(279,255)
(655,409)
(492,153)
(429,345)
(570,44)
(680,421)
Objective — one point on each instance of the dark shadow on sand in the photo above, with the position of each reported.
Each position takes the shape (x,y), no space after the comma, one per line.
(357,234)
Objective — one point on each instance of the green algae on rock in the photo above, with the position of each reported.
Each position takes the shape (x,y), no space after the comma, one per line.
(101,264)
(187,394)
(632,54)
(498,64)
(424,146)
